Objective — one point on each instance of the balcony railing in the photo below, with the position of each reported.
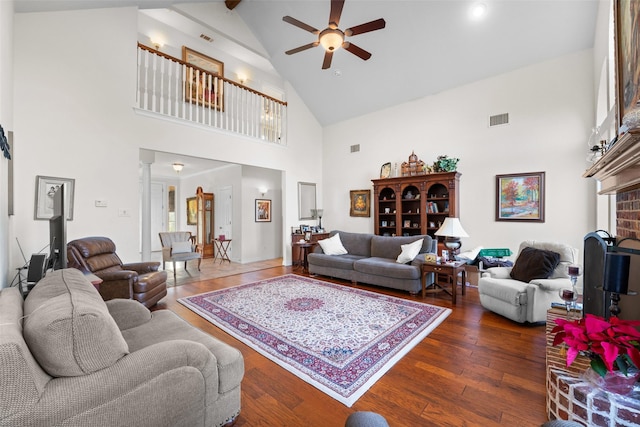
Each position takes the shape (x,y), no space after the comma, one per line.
(170,87)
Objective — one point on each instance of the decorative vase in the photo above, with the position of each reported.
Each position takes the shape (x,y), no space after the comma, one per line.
(613,382)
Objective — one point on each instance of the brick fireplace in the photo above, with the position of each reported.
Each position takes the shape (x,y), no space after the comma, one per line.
(628,213)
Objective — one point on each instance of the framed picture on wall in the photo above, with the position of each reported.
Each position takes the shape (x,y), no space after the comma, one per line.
(192,211)
(627,29)
(520,197)
(46,186)
(360,203)
(263,210)
(203,81)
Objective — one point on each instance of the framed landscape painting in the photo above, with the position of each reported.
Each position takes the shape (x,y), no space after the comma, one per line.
(520,197)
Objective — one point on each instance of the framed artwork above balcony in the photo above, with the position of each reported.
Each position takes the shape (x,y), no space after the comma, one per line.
(204,79)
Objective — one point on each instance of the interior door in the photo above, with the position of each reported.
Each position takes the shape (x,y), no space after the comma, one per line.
(223,214)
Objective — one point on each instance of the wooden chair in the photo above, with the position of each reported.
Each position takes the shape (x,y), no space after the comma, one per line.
(179,246)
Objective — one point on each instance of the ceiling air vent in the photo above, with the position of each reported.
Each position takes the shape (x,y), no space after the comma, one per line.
(499,119)
(355,148)
(206,37)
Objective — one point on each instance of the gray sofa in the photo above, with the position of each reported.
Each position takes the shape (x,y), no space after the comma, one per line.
(69,358)
(372,259)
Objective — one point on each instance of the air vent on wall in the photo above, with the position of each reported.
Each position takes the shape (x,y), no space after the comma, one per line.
(355,148)
(206,37)
(499,119)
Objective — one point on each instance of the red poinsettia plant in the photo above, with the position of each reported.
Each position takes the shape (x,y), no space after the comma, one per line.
(612,345)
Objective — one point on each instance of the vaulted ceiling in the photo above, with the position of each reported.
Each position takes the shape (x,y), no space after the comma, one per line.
(427,46)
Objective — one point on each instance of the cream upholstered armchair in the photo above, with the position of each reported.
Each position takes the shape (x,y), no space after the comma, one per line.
(179,246)
(524,292)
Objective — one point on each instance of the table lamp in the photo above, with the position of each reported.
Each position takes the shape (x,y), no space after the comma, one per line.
(616,278)
(452,231)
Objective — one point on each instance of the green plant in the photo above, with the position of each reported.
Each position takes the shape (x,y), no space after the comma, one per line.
(445,164)
(612,345)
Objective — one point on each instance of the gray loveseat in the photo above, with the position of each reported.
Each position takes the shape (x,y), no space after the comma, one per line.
(372,259)
(69,358)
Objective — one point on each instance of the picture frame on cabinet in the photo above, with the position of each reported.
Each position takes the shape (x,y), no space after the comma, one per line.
(520,197)
(385,170)
(360,203)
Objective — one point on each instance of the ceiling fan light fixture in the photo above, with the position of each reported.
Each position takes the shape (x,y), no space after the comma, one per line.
(331,39)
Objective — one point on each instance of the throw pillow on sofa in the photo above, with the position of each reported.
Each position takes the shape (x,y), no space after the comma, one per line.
(332,245)
(534,264)
(409,251)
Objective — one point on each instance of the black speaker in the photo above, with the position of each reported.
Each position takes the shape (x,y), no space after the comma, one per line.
(37,268)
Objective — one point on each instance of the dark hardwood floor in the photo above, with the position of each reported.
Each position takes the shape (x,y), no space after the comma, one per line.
(475,369)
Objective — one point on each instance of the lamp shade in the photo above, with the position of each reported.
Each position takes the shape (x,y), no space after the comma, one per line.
(451,228)
(616,273)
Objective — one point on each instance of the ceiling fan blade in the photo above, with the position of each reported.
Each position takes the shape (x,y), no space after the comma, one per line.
(378,24)
(328,55)
(300,24)
(356,50)
(336,11)
(301,48)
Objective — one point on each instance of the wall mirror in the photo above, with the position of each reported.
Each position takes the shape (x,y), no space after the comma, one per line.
(306,199)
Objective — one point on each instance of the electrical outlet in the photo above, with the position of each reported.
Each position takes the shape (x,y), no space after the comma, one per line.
(124,212)
(101,203)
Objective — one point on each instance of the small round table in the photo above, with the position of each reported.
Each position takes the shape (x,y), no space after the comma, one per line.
(305,248)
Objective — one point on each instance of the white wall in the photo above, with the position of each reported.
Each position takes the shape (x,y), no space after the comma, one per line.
(261,240)
(6,120)
(74,118)
(551,112)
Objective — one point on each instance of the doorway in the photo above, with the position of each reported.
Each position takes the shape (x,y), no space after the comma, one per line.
(223,214)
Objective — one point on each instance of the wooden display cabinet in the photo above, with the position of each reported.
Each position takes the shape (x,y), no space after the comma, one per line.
(413,205)
(204,229)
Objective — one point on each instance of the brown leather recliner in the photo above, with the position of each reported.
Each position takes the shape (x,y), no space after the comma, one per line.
(140,281)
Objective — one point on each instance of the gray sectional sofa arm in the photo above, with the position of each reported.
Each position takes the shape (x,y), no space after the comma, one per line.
(371,259)
(77,360)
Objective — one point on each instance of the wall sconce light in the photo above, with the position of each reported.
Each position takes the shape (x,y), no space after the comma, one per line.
(263,190)
(242,77)
(156,42)
(177,167)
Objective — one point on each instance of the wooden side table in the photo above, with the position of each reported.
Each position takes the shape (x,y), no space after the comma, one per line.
(305,247)
(446,277)
(222,246)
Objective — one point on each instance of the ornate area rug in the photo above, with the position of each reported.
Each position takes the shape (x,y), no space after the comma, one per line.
(339,339)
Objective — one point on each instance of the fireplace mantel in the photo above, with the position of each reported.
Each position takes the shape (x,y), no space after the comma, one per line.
(619,167)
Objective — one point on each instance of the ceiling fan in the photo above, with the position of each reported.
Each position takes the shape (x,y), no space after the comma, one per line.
(332,38)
